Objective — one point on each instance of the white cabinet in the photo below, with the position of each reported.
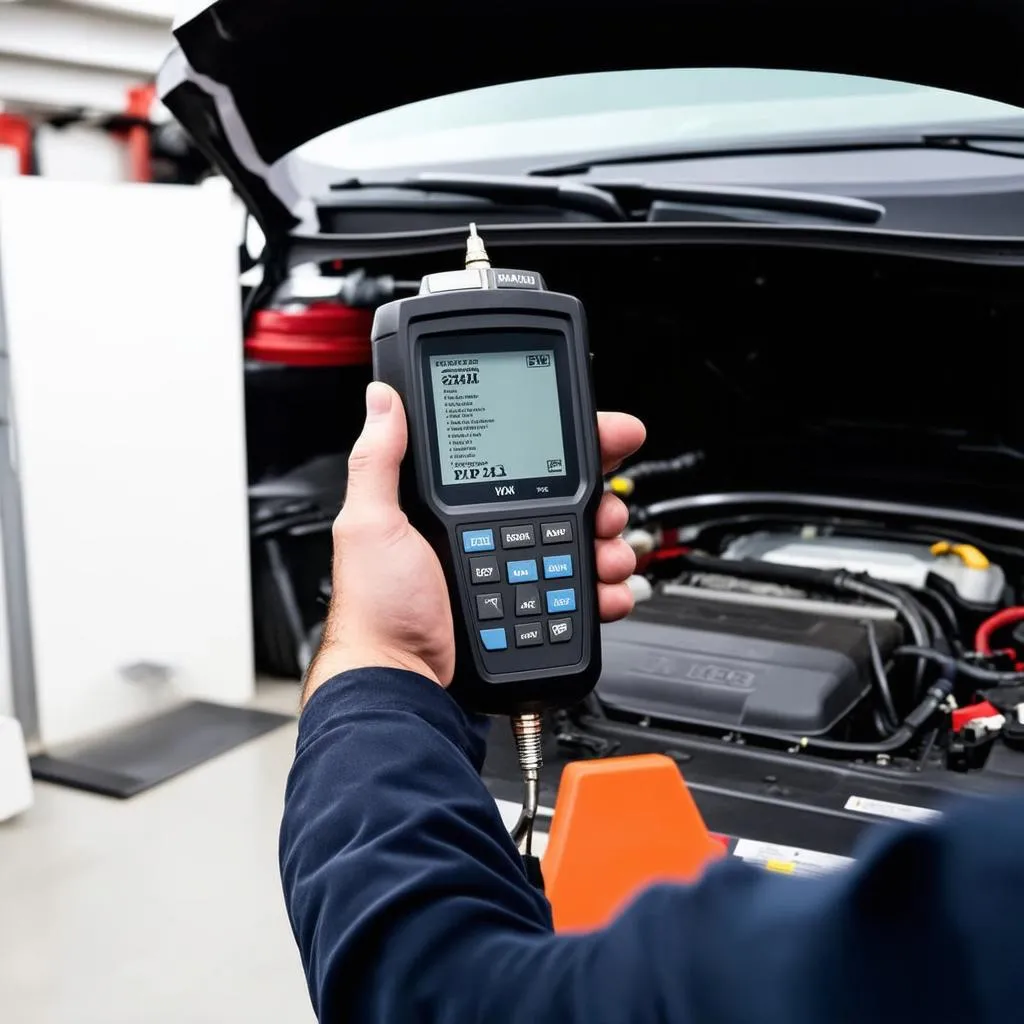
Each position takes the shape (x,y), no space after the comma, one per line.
(122,454)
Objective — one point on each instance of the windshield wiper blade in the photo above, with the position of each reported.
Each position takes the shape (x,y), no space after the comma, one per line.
(608,200)
(814,204)
(561,195)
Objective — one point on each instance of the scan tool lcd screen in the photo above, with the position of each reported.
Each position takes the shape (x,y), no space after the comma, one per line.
(498,416)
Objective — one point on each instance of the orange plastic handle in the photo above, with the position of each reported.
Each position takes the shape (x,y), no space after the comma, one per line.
(619,825)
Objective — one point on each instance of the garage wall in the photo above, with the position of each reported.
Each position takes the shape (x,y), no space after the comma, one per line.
(81,55)
(80,59)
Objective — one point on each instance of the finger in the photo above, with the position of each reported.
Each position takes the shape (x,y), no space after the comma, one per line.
(615,601)
(612,516)
(616,560)
(621,435)
(377,454)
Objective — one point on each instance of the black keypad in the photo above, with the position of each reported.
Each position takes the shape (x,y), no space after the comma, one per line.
(528,588)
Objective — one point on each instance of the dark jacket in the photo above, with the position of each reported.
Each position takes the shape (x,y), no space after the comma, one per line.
(410,904)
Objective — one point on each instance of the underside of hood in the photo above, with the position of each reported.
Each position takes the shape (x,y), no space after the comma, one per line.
(766,368)
(252,82)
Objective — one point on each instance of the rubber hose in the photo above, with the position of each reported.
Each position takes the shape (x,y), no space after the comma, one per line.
(962,668)
(911,726)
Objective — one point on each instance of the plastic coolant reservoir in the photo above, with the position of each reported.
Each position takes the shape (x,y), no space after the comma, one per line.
(905,564)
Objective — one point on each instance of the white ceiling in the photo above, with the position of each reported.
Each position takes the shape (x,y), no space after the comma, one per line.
(81,54)
(161,10)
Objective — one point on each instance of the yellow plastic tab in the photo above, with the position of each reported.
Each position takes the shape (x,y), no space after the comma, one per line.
(967,553)
(621,485)
(783,867)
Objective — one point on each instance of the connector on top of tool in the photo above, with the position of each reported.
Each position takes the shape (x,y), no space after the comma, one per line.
(476,254)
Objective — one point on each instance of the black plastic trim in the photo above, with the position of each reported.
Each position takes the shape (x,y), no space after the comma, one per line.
(951,248)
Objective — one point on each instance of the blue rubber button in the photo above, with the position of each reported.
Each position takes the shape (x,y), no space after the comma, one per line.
(522,572)
(561,601)
(557,567)
(478,540)
(494,639)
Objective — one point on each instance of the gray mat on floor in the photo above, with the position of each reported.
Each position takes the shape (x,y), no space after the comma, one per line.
(143,755)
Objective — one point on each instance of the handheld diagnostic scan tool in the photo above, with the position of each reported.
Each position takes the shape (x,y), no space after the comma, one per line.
(503,478)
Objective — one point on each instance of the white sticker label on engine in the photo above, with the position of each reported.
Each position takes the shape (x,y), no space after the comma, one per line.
(885,809)
(788,860)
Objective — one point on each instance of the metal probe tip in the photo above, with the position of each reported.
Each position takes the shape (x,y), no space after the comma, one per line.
(528,733)
(476,254)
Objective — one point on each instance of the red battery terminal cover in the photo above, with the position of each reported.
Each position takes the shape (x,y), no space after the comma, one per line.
(961,716)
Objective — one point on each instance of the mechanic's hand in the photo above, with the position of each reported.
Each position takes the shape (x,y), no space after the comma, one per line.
(389,604)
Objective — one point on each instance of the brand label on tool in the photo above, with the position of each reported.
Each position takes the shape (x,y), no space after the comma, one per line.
(885,809)
(516,279)
(788,860)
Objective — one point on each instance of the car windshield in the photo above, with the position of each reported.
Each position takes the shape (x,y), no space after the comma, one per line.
(640,110)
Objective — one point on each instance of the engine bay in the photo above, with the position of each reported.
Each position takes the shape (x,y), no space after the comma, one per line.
(821,642)
(829,558)
(684,659)
(825,513)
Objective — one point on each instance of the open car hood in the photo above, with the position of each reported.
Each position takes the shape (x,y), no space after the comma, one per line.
(251,80)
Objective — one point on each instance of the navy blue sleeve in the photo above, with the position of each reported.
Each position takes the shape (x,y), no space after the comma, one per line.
(409,902)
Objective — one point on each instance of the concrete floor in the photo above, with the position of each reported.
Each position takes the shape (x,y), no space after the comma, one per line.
(162,909)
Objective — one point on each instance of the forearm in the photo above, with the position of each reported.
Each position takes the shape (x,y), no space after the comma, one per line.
(409,901)
(391,845)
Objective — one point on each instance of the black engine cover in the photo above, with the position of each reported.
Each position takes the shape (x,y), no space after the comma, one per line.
(726,665)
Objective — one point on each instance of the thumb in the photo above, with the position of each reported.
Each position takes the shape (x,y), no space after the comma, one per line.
(377,454)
